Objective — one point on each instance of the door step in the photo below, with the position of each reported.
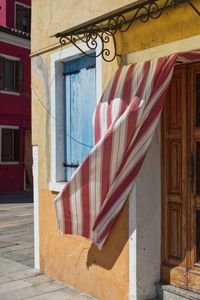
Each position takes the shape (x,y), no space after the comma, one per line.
(170,292)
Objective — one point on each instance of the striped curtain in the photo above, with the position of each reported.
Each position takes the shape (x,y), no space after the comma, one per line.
(124,124)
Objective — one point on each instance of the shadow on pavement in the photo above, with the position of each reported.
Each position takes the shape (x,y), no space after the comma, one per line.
(21,197)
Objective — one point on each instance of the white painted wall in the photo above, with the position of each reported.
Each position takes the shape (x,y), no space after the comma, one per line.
(36,208)
(145,226)
(148,208)
(132,245)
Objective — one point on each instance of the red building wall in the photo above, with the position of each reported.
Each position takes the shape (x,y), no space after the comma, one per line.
(3,12)
(15,110)
(7,11)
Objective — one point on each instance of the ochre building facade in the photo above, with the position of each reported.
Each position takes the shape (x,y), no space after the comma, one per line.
(131,262)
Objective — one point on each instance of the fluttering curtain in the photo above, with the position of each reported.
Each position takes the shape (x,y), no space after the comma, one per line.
(124,123)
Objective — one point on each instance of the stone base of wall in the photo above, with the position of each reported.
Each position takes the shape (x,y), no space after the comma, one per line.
(169,292)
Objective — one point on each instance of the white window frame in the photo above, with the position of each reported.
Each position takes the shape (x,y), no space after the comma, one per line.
(22,4)
(13,58)
(14,40)
(57,103)
(9,57)
(7,162)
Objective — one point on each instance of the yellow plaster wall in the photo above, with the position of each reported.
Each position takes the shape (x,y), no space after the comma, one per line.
(175,24)
(52,16)
(73,259)
(41,117)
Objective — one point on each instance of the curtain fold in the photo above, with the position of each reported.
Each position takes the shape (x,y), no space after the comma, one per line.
(124,123)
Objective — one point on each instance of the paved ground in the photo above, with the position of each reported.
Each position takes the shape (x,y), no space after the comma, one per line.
(16,227)
(18,279)
(24,197)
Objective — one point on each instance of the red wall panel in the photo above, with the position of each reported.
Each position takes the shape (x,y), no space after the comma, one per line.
(3,12)
(7,11)
(15,110)
(11,178)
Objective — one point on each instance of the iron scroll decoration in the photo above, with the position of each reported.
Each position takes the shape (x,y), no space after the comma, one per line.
(98,35)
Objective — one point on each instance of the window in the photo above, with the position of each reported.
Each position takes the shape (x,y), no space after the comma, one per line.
(10,145)
(10,75)
(76,86)
(79,106)
(23,18)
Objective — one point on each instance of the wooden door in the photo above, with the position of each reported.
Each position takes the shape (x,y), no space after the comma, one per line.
(181,180)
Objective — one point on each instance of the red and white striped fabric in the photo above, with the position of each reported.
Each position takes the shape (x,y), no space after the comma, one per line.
(124,123)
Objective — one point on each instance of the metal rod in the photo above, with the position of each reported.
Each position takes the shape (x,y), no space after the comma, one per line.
(97,34)
(70,165)
(104,18)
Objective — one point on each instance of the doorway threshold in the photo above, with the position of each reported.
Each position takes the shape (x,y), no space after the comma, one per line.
(169,292)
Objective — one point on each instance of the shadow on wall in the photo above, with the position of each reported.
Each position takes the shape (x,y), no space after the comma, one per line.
(114,245)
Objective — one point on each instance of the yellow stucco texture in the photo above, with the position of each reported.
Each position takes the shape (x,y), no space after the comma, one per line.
(76,261)
(54,16)
(173,25)
(41,116)
(73,259)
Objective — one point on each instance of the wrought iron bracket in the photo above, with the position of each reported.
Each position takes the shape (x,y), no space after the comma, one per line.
(97,34)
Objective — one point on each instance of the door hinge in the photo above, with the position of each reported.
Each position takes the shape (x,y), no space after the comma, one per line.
(191,168)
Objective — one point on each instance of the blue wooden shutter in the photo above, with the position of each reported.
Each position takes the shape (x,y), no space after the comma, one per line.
(80,103)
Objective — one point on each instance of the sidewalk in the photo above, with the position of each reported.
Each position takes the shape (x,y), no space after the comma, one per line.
(18,282)
(18,279)
(16,231)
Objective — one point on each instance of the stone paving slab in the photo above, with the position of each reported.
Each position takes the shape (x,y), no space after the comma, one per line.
(16,231)
(51,286)
(39,279)
(18,279)
(8,266)
(21,247)
(20,294)
(13,286)
(6,244)
(17,284)
(18,275)
(64,294)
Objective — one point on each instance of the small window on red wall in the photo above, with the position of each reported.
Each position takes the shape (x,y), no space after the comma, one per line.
(10,75)
(23,18)
(10,145)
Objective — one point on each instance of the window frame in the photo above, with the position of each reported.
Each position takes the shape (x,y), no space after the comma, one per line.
(7,162)
(12,58)
(15,15)
(57,179)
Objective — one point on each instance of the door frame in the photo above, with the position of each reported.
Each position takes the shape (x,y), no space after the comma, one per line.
(185,274)
(184,45)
